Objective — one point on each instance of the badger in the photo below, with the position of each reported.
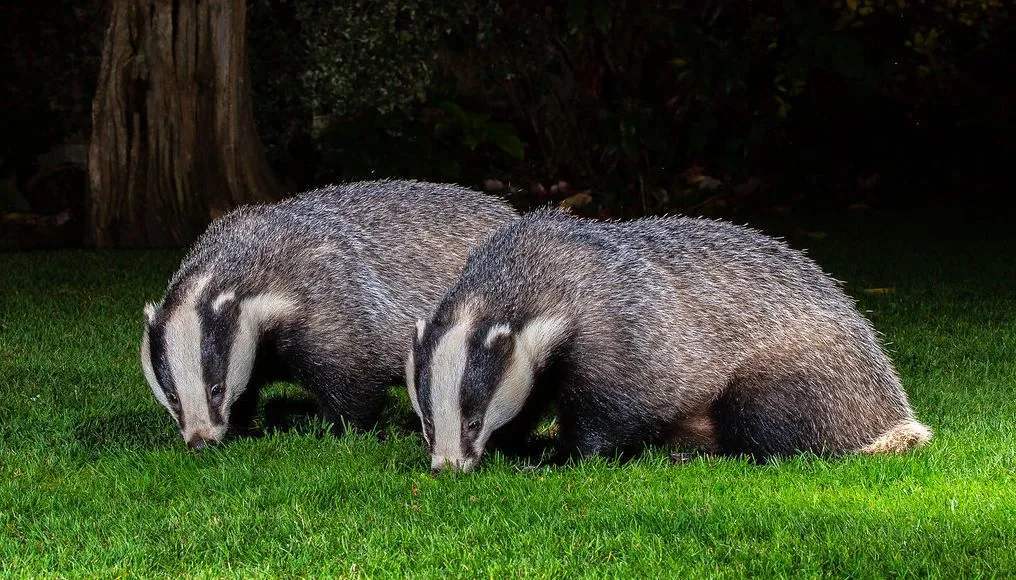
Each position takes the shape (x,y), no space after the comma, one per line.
(321,289)
(692,332)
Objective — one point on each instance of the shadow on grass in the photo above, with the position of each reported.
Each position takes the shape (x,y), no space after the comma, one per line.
(154,429)
(300,415)
(303,415)
(137,430)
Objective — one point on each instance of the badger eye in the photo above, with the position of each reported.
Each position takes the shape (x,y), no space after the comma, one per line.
(215,390)
(474,425)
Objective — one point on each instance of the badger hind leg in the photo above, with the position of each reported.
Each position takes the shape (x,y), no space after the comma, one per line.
(769,415)
(899,438)
(692,436)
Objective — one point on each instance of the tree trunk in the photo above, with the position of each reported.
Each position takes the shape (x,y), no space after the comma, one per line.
(173,137)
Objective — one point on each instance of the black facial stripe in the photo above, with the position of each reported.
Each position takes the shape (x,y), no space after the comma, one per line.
(176,293)
(485,368)
(160,364)
(214,409)
(423,352)
(218,331)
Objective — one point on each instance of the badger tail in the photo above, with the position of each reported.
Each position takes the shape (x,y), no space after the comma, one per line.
(903,437)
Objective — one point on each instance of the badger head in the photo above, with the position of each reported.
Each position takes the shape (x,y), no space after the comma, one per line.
(470,376)
(197,353)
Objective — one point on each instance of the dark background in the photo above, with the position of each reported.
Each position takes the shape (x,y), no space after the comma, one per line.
(773,109)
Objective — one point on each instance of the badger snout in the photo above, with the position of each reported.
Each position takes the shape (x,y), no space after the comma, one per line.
(197,443)
(439,463)
(201,439)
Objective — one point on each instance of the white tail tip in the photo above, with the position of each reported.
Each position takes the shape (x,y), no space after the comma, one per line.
(902,437)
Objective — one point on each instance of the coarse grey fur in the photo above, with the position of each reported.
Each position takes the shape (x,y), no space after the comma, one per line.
(654,330)
(324,286)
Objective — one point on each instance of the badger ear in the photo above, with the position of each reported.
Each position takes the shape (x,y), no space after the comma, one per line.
(149,312)
(499,336)
(223,300)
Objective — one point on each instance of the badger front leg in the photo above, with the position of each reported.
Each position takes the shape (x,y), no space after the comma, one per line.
(344,402)
(356,407)
(589,428)
(587,442)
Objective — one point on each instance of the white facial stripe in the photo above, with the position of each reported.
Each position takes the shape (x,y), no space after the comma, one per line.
(421,326)
(509,396)
(447,367)
(533,344)
(411,382)
(241,359)
(146,367)
(150,312)
(268,308)
(221,299)
(257,313)
(541,335)
(198,288)
(411,388)
(183,343)
(495,332)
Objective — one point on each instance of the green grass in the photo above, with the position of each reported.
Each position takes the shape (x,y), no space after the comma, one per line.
(95,481)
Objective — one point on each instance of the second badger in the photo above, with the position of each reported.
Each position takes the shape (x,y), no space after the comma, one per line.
(652,330)
(327,284)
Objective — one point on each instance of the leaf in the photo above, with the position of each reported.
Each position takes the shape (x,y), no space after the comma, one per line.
(510,144)
(578,200)
(601,15)
(705,182)
(879,291)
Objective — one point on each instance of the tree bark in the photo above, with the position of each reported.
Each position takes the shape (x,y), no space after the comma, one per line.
(173,137)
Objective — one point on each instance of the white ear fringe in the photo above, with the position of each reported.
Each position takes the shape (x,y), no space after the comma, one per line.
(222,299)
(495,332)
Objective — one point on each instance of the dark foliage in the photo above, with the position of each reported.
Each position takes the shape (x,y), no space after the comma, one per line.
(663,105)
(49,59)
(700,106)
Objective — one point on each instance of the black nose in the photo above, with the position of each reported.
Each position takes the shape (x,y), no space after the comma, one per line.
(197,443)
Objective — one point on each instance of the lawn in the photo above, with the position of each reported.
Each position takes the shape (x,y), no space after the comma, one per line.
(94,479)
